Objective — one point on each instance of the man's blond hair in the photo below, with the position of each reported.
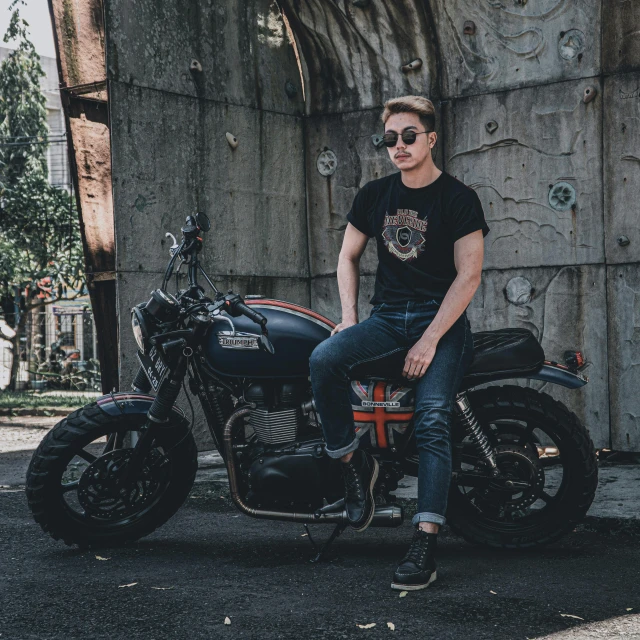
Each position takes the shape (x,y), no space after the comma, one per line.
(423,107)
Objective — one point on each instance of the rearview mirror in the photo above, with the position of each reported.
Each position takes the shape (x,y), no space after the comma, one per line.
(202,220)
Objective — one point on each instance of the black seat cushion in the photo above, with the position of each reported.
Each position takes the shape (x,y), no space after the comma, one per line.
(505,350)
(500,351)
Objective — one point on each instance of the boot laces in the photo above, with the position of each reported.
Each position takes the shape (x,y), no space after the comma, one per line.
(352,482)
(418,549)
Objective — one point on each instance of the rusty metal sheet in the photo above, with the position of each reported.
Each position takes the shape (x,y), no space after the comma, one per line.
(91,147)
(515,44)
(538,173)
(80,41)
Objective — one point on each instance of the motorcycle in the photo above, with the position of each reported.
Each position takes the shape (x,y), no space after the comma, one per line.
(524,468)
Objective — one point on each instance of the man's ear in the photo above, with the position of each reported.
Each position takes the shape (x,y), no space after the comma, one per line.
(435,138)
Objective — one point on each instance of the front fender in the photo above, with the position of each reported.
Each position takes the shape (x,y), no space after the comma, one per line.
(123,403)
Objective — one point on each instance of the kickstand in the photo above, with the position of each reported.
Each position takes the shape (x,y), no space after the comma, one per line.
(322,551)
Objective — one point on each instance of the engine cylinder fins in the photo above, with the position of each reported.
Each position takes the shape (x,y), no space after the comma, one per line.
(275,427)
(475,432)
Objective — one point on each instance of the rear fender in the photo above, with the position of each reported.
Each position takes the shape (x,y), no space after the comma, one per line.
(550,371)
(122,403)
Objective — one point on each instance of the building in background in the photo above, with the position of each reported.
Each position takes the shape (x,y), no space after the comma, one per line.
(63,331)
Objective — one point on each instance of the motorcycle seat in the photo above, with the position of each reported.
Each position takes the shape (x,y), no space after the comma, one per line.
(503,351)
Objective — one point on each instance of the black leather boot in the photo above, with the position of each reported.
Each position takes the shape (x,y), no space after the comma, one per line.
(359,475)
(417,570)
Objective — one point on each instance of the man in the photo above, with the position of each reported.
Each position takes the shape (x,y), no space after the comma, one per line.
(429,229)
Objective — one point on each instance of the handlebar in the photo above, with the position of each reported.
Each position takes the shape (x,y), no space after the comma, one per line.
(236,307)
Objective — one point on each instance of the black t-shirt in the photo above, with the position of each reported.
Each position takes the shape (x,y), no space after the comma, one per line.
(415,230)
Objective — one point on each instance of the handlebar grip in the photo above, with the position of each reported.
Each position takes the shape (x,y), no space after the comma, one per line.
(247,311)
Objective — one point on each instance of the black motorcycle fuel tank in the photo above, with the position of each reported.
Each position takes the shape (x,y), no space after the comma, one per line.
(294,331)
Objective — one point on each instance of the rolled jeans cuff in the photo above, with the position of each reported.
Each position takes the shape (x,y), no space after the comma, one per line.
(425,516)
(338,453)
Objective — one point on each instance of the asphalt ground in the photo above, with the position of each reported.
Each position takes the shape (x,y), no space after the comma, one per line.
(210,563)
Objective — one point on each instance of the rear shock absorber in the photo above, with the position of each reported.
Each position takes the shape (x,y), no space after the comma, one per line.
(476,433)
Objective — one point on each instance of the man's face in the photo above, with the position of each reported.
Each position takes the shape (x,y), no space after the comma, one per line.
(408,156)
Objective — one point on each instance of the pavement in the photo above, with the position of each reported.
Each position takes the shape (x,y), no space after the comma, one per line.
(210,565)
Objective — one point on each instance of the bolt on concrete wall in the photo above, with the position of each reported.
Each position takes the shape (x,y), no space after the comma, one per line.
(538,112)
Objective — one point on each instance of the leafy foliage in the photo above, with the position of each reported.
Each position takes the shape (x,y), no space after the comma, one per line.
(40,243)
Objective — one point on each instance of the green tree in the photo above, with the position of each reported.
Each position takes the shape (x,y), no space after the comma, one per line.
(40,245)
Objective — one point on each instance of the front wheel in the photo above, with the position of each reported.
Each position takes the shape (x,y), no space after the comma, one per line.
(75,482)
(540,443)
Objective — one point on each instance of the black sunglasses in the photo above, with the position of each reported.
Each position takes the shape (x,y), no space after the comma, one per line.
(408,137)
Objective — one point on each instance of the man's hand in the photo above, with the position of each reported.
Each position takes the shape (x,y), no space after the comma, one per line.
(342,325)
(419,358)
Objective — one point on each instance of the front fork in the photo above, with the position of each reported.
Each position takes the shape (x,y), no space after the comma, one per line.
(476,432)
(157,417)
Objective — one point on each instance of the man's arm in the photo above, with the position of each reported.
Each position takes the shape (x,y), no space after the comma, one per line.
(468,253)
(353,247)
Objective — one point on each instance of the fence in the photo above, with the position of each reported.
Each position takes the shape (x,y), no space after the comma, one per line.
(56,350)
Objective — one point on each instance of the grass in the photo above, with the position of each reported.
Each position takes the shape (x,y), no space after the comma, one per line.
(32,400)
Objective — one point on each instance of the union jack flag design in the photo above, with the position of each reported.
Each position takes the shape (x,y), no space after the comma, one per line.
(381,409)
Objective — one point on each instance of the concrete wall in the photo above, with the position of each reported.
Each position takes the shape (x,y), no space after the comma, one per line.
(539,109)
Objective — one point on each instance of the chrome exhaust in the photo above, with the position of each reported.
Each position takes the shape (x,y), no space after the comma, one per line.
(384,516)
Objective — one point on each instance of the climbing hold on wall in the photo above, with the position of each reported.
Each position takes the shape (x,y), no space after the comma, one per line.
(327,163)
(413,65)
(589,94)
(520,3)
(562,196)
(290,89)
(232,140)
(519,291)
(376,138)
(571,44)
(623,241)
(360,3)
(491,126)
(195,66)
(469,28)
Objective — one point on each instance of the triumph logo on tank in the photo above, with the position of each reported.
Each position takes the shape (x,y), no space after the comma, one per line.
(403,234)
(237,342)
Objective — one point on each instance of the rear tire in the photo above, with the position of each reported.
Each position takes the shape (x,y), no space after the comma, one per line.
(46,495)
(499,405)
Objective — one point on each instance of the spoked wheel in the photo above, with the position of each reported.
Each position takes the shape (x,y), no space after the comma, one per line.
(548,468)
(79,489)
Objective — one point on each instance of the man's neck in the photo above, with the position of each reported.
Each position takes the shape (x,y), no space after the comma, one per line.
(420,176)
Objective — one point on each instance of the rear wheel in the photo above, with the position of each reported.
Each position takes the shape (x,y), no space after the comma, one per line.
(538,442)
(74,482)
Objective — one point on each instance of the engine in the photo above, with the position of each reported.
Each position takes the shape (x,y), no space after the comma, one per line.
(277,417)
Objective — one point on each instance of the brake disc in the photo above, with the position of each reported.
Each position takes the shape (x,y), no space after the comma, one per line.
(102,493)
(518,465)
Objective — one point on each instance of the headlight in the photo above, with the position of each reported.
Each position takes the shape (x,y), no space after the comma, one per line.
(139,327)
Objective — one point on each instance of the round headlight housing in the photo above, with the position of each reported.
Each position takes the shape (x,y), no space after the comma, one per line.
(139,327)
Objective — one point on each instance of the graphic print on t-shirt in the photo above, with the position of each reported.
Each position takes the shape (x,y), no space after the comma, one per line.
(403,234)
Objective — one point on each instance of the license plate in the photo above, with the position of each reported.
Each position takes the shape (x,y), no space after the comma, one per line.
(154,366)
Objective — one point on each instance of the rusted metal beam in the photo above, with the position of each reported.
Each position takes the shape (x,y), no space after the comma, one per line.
(79,39)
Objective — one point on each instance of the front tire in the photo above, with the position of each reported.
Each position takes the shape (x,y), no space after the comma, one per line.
(526,424)
(77,510)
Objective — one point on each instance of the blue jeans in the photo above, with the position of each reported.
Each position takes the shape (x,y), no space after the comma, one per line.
(394,327)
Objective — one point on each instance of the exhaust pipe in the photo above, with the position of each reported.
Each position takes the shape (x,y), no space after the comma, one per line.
(384,516)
